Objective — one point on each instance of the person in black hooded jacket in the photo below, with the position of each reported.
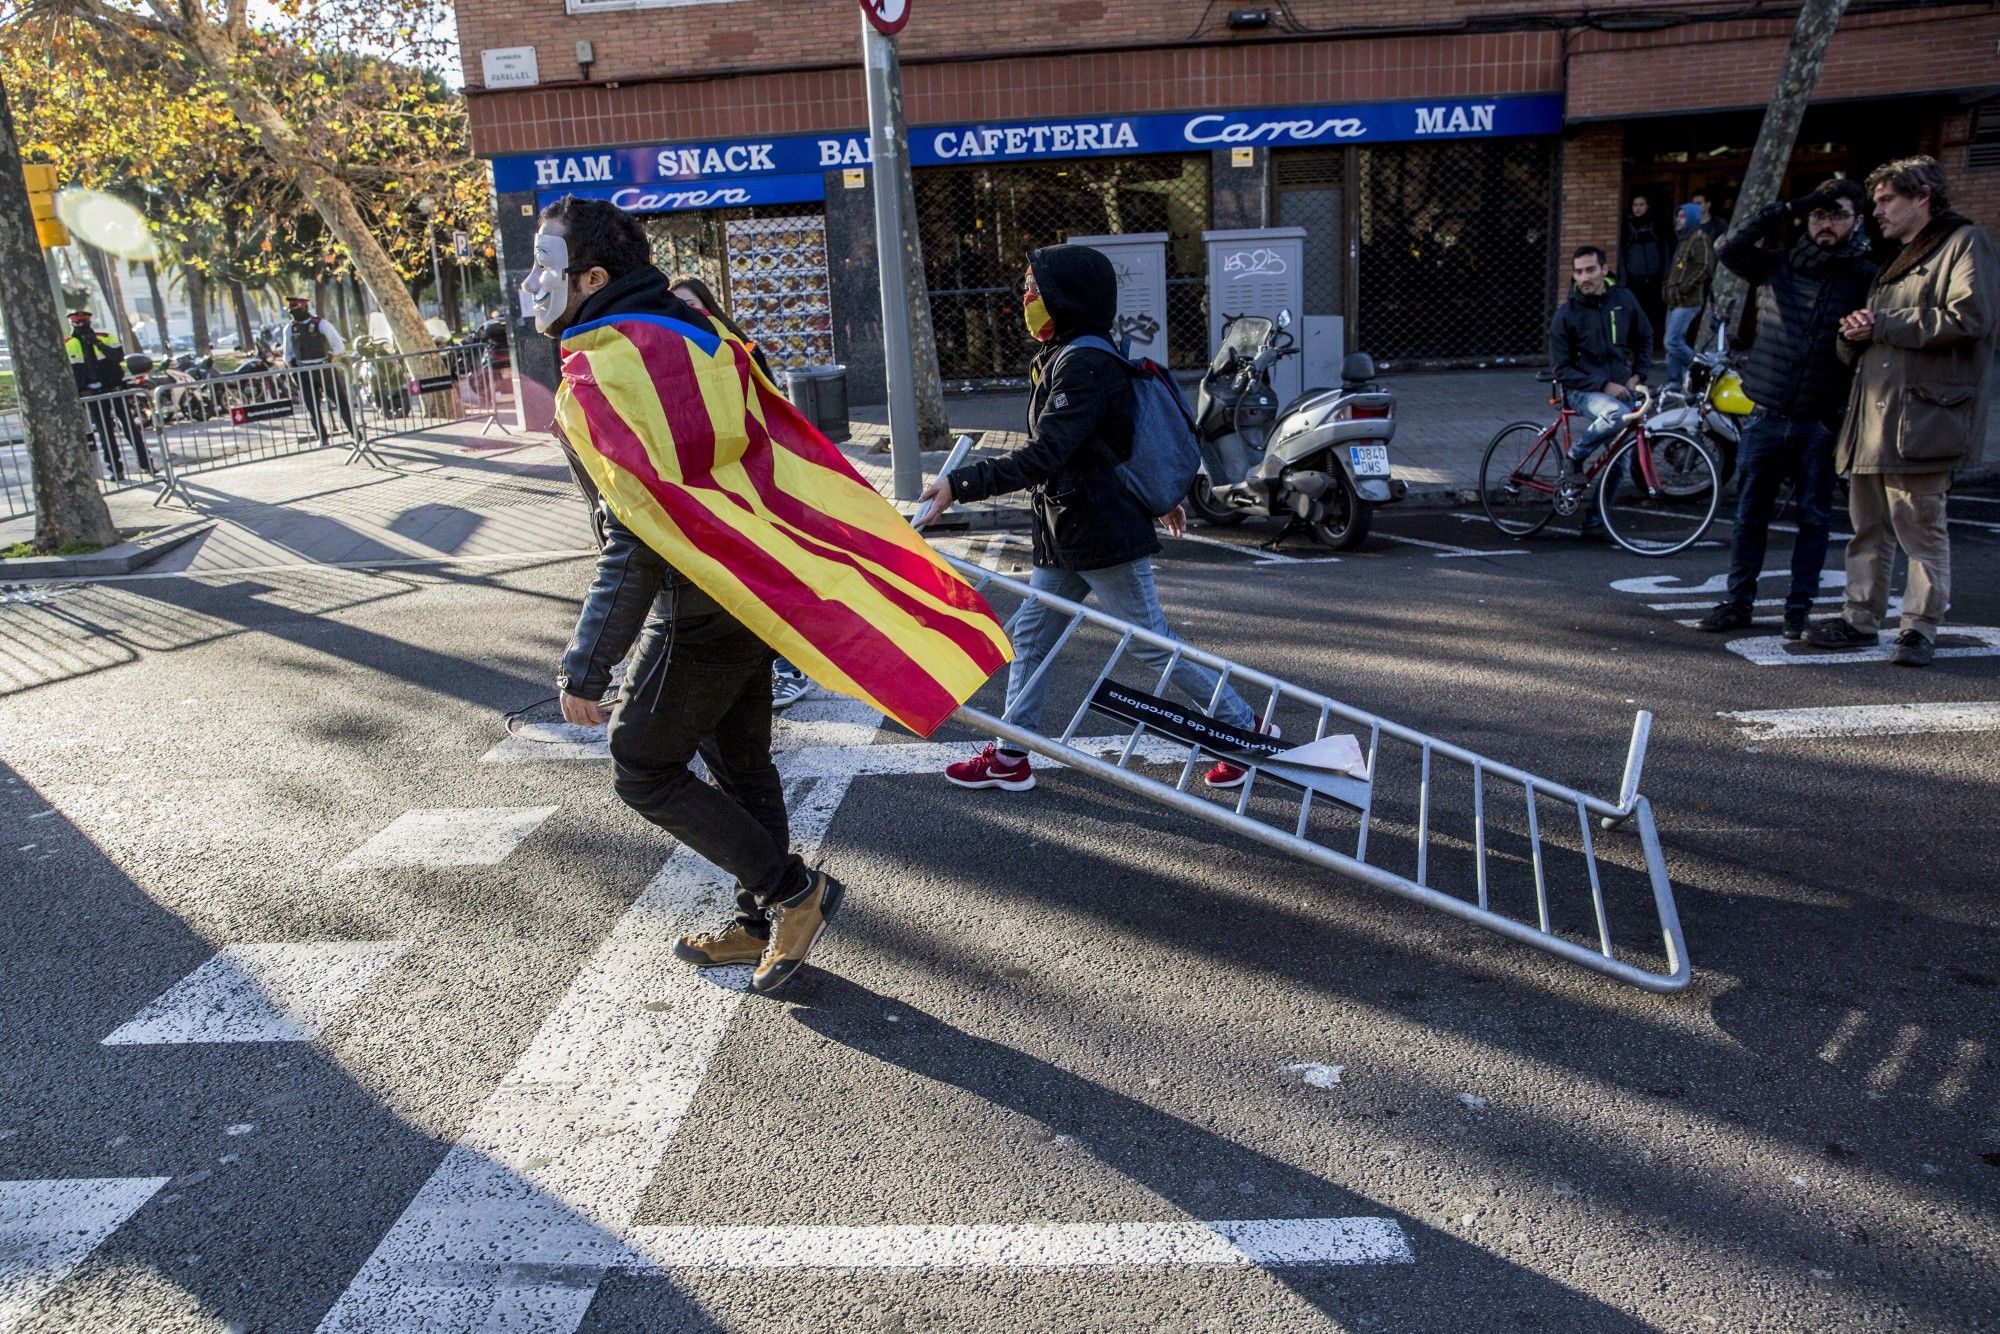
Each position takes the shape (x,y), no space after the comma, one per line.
(1091,534)
(700,680)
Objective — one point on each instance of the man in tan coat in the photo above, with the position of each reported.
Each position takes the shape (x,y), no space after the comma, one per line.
(1921,350)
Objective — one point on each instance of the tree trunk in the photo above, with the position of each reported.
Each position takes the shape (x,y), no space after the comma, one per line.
(197,291)
(221,58)
(1777,135)
(340,308)
(159,306)
(68,506)
(245,334)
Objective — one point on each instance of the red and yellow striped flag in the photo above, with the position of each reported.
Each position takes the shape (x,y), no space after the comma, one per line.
(697,453)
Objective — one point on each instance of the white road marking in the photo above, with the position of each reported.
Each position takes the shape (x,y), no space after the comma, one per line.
(47,1228)
(1446,551)
(449,836)
(398,563)
(262,993)
(1773,651)
(1315,1074)
(814,761)
(1237,1242)
(1674,583)
(1866,720)
(536,1200)
(823,720)
(1260,557)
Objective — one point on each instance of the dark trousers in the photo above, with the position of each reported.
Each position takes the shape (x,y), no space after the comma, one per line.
(107,417)
(1774,448)
(318,382)
(704,685)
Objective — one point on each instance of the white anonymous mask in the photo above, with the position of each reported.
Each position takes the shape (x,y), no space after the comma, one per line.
(545,291)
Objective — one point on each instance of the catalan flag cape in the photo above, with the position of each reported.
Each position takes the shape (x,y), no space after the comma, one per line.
(698,454)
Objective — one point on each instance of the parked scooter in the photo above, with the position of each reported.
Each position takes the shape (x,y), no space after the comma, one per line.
(1710,406)
(1322,462)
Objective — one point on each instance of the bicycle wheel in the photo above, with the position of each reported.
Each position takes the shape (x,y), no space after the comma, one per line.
(1664,501)
(1517,478)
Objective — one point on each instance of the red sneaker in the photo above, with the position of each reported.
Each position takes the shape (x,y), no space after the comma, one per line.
(989,768)
(1225,774)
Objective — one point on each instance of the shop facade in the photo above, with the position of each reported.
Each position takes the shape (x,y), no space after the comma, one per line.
(781,226)
(1440,165)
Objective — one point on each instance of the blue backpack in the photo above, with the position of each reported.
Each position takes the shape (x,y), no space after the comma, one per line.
(1165,453)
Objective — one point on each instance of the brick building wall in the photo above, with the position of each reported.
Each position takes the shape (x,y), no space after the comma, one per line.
(717,39)
(1593,175)
(1715,66)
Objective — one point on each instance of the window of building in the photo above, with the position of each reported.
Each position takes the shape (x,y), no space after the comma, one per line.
(978,224)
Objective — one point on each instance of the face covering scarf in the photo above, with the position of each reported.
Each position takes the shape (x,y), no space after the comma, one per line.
(545,291)
(1041,325)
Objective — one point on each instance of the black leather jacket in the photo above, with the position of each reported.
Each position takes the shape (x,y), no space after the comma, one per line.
(633,586)
(634,583)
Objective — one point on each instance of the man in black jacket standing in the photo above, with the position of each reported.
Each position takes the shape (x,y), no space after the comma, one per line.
(700,681)
(1793,372)
(1091,534)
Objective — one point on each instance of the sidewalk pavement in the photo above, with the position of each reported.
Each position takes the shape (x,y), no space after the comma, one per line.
(449,494)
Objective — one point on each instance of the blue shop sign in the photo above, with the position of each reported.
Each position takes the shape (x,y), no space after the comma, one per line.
(682,198)
(739,162)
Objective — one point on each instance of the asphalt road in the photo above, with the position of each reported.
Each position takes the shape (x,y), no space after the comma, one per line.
(324,1003)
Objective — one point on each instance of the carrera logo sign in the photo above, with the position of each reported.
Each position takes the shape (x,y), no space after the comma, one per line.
(1226,130)
(647,201)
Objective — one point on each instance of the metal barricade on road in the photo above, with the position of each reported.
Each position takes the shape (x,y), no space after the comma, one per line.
(123,443)
(1423,818)
(406,393)
(216,423)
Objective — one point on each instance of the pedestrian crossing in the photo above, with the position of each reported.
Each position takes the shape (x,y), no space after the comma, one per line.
(539,1197)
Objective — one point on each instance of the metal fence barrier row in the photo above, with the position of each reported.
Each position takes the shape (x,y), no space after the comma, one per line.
(162,433)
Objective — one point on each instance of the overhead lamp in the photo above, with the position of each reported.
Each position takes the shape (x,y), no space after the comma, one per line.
(1245,20)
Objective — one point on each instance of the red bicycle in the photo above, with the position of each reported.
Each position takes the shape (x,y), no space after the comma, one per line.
(1657,491)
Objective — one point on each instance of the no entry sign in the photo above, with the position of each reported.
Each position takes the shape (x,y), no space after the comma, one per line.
(888,16)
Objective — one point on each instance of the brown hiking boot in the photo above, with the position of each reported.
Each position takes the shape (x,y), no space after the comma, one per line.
(710,949)
(795,925)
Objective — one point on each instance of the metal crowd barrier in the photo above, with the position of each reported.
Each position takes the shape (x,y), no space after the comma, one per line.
(1435,823)
(124,447)
(405,393)
(231,419)
(164,433)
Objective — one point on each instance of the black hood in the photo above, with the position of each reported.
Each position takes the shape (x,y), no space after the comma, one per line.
(643,291)
(1079,287)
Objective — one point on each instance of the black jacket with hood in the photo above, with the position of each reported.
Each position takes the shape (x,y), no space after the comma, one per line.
(1594,340)
(1792,366)
(1079,428)
(633,581)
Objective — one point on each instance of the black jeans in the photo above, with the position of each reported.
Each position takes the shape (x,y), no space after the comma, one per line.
(321,381)
(704,684)
(1774,448)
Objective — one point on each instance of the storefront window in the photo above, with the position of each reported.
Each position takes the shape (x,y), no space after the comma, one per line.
(767,265)
(1455,243)
(978,224)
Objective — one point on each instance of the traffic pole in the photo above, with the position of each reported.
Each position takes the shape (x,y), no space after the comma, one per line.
(887,145)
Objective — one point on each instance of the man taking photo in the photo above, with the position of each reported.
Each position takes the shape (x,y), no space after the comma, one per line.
(1921,348)
(1794,374)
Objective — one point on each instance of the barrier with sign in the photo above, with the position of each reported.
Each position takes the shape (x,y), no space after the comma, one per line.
(1437,824)
(405,393)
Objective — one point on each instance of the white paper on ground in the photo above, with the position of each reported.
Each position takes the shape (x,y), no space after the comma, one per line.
(1340,754)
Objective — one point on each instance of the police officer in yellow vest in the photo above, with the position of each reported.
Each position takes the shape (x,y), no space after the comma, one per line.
(99,367)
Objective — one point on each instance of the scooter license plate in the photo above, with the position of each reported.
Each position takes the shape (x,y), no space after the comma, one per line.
(1369,460)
